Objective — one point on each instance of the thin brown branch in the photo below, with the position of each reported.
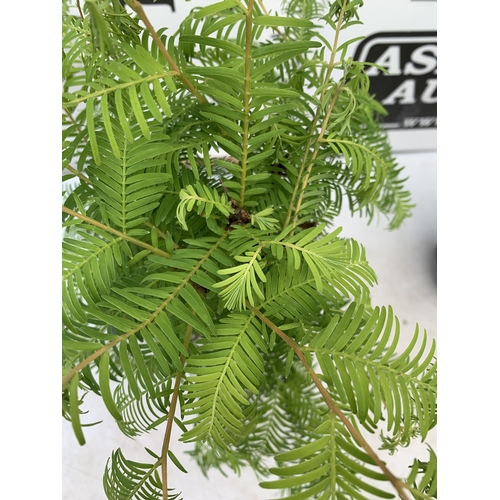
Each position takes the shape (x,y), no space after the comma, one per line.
(70,116)
(138,9)
(246,99)
(80,366)
(79,8)
(171,414)
(108,229)
(396,482)
(78,174)
(331,65)
(315,153)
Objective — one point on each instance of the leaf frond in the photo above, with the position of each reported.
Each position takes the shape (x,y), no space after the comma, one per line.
(129,480)
(329,467)
(357,358)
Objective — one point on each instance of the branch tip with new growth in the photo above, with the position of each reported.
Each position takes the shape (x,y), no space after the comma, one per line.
(396,482)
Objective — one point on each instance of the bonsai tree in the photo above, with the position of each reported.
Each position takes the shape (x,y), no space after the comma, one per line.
(203,271)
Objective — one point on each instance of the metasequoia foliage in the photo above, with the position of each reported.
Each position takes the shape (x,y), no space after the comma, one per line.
(203,172)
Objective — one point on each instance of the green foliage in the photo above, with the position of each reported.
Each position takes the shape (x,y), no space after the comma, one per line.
(204,170)
(205,200)
(356,356)
(127,479)
(329,466)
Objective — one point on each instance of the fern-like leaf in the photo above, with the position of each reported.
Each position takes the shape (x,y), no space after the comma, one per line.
(204,199)
(423,476)
(331,467)
(341,262)
(357,358)
(131,187)
(90,266)
(128,480)
(136,89)
(141,410)
(227,369)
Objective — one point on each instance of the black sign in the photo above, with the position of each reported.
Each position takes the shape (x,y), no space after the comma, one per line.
(408,90)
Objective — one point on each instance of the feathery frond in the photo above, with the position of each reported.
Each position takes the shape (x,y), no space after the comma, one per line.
(205,200)
(341,262)
(330,467)
(357,358)
(129,480)
(423,476)
(141,410)
(203,170)
(130,187)
(225,370)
